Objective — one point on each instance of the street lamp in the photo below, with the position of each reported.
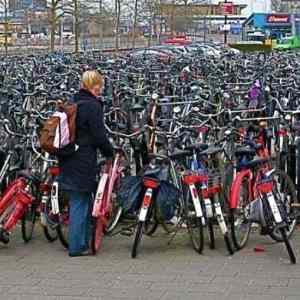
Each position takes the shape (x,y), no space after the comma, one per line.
(225,25)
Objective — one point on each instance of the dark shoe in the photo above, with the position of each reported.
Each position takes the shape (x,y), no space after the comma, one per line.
(84,253)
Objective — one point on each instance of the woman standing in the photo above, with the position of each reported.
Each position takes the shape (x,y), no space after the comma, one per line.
(78,171)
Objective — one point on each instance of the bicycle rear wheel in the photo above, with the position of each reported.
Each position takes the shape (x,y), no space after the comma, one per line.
(63,225)
(285,195)
(137,239)
(29,217)
(228,244)
(288,245)
(194,225)
(50,234)
(239,222)
(28,222)
(211,233)
(114,219)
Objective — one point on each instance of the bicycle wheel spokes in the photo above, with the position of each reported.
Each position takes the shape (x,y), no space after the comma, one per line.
(194,225)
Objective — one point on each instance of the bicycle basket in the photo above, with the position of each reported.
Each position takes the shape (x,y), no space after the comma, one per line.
(167,200)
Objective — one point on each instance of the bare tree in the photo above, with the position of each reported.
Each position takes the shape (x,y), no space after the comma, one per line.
(4,7)
(55,15)
(135,21)
(117,23)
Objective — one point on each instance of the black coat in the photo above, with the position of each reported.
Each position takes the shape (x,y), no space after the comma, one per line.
(78,171)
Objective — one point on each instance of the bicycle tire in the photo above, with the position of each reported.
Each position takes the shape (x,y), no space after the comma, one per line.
(240,239)
(152,222)
(194,222)
(50,234)
(114,220)
(29,217)
(288,246)
(228,244)
(277,236)
(62,236)
(137,239)
(211,234)
(28,222)
(97,235)
(197,237)
(63,225)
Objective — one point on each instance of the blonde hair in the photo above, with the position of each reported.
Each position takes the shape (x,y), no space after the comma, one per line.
(90,79)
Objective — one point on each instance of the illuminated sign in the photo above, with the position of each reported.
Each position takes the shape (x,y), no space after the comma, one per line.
(278,18)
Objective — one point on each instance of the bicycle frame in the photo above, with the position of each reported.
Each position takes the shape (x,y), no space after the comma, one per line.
(16,194)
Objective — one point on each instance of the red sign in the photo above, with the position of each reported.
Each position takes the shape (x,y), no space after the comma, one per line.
(278,19)
(179,40)
(227,8)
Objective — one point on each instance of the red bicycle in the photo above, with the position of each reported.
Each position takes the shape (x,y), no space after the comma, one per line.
(259,194)
(105,216)
(14,203)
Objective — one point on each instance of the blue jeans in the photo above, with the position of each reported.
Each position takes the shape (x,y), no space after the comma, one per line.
(79,221)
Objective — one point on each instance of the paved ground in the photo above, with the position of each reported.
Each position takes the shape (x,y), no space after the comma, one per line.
(41,270)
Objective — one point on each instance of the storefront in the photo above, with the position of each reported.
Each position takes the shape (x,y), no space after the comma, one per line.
(274,25)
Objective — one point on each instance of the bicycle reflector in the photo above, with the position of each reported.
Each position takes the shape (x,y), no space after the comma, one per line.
(265,187)
(150,183)
(194,178)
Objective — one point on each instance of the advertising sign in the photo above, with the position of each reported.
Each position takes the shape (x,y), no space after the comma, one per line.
(226,8)
(278,18)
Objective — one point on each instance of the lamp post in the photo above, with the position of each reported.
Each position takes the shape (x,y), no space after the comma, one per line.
(225,24)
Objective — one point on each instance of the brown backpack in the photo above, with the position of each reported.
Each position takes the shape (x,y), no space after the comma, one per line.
(48,132)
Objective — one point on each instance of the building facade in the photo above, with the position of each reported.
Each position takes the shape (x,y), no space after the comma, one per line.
(19,5)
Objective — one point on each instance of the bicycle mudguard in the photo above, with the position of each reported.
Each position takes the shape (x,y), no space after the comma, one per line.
(236,186)
(10,192)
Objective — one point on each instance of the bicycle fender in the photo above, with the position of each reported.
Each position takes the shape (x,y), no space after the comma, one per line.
(236,187)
